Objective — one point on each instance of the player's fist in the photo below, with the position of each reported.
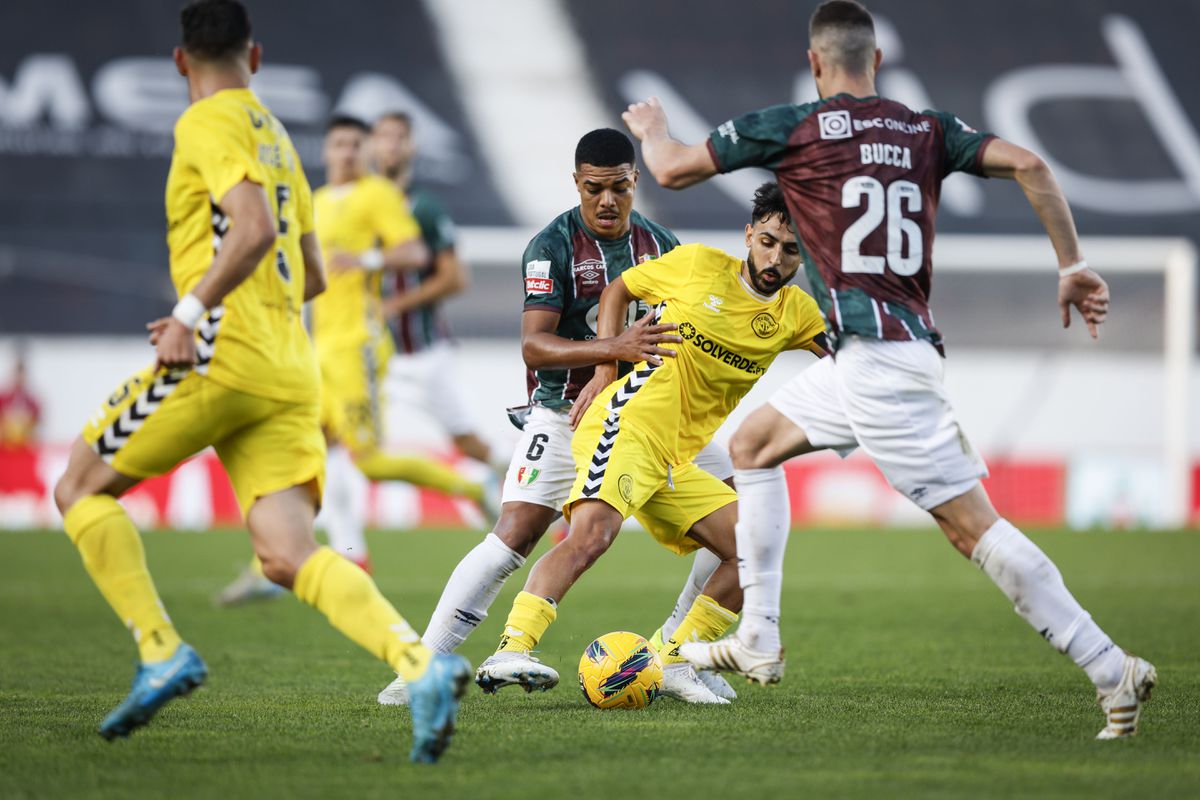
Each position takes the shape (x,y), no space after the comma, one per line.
(174,344)
(645,118)
(343,262)
(1088,293)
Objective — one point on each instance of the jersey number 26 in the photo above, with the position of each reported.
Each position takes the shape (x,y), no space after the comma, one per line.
(889,204)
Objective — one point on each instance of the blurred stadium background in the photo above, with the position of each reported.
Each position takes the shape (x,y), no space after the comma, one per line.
(1076,433)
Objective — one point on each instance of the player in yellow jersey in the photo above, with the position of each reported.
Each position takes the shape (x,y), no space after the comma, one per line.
(636,437)
(365,229)
(235,370)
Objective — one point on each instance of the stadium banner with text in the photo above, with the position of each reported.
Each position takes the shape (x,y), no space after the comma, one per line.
(824,491)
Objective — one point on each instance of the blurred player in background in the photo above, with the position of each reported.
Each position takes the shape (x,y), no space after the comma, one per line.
(862,177)
(365,231)
(235,370)
(565,269)
(20,411)
(424,363)
(636,436)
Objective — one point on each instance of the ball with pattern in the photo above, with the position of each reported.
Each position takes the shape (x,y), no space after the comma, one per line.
(620,670)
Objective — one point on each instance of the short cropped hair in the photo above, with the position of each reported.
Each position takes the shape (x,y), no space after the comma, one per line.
(768,202)
(844,31)
(214,30)
(403,117)
(346,121)
(604,147)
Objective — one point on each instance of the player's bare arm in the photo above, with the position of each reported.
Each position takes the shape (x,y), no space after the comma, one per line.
(448,279)
(250,237)
(1078,286)
(542,348)
(407,255)
(314,267)
(673,164)
(610,326)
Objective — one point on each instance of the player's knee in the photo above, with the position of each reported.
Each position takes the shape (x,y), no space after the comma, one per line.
(746,451)
(279,569)
(67,492)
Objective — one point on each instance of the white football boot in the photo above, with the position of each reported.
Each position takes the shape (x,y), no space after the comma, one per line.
(716,684)
(1123,705)
(730,655)
(681,682)
(394,694)
(506,668)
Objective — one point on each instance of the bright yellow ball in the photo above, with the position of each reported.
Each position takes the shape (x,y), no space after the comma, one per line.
(620,670)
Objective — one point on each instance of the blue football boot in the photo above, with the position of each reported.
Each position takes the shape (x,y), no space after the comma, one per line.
(153,686)
(433,699)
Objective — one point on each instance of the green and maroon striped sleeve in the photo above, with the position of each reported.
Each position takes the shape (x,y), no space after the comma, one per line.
(758,139)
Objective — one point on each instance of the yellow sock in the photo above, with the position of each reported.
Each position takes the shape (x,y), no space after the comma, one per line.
(706,621)
(112,554)
(419,471)
(527,623)
(350,600)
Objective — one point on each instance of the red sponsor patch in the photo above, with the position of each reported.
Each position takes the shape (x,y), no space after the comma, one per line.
(539,285)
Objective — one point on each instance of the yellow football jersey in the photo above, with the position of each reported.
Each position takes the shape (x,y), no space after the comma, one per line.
(255,340)
(731,334)
(353,217)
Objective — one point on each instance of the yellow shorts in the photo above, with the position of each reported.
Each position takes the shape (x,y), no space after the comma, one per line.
(626,469)
(158,419)
(352,393)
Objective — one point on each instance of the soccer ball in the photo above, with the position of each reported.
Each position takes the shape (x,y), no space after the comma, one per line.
(620,670)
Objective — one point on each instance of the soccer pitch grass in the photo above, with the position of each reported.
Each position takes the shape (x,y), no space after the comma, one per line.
(908,675)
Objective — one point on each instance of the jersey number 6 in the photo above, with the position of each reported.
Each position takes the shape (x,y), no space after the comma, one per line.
(891,204)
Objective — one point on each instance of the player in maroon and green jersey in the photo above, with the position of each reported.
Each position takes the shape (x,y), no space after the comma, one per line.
(862,176)
(424,362)
(565,268)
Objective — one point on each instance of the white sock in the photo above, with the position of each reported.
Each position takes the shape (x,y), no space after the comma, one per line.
(703,566)
(762,530)
(1035,586)
(345,512)
(469,593)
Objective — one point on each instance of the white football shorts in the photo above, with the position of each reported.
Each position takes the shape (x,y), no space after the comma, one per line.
(428,380)
(542,469)
(888,398)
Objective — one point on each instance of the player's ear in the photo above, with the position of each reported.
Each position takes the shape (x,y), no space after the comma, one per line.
(180,59)
(749,234)
(814,63)
(636,173)
(878,59)
(256,57)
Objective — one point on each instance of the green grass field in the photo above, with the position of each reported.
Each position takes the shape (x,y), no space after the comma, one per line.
(908,675)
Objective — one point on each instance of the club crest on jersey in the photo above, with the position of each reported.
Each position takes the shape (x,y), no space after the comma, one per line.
(714,303)
(764,326)
(834,124)
(625,485)
(644,257)
(527,475)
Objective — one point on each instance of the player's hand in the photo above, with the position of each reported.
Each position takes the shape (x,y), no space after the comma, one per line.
(1088,293)
(639,342)
(341,261)
(605,374)
(646,118)
(174,344)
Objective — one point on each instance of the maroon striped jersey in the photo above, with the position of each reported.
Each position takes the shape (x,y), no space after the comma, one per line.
(861,178)
(565,268)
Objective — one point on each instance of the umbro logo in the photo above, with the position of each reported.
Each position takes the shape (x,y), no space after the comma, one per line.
(714,303)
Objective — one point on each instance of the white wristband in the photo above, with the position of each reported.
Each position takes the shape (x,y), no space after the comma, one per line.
(189,310)
(372,260)
(1078,266)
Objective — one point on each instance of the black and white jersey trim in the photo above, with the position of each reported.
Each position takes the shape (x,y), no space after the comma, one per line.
(612,426)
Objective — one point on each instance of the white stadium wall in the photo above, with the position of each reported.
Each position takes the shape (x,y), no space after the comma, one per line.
(1089,423)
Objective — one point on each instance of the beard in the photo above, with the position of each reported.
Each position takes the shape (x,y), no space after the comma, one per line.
(756,277)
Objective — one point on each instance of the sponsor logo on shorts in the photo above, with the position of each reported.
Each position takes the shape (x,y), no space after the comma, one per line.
(687,330)
(625,485)
(539,285)
(764,326)
(527,475)
(834,124)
